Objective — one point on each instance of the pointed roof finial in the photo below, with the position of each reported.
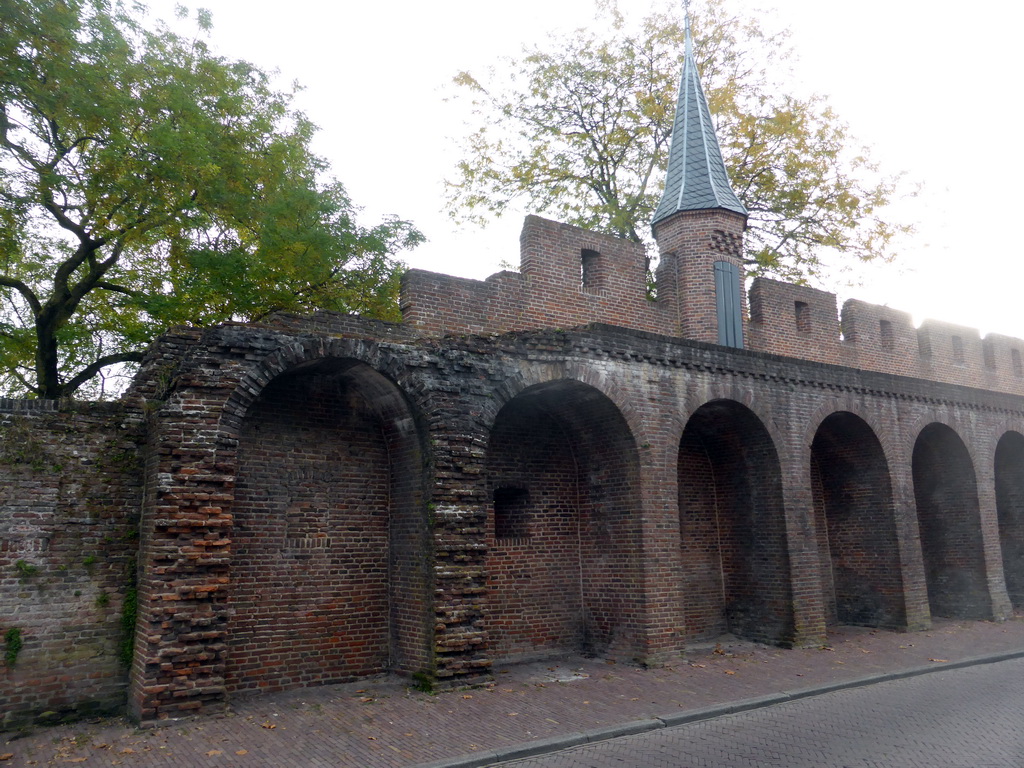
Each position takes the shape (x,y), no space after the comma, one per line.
(696,178)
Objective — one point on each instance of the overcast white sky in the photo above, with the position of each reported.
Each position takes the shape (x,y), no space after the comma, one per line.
(932,87)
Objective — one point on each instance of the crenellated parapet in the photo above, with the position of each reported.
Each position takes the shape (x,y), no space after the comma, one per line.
(571,277)
(802,322)
(788,320)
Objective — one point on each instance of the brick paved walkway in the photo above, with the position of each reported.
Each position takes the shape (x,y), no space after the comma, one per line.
(381,723)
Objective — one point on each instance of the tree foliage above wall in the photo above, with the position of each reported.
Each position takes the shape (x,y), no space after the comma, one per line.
(145,182)
(580,128)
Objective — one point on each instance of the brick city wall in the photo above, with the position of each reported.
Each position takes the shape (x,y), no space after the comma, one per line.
(315,499)
(70,493)
(598,490)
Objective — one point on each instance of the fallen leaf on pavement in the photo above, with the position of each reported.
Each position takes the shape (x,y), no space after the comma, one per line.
(942,661)
(214,752)
(269,725)
(6,756)
(730,672)
(241,751)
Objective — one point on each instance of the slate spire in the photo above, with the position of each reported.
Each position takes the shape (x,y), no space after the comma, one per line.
(696,178)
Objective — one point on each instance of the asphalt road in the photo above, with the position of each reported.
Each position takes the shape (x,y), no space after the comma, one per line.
(966,718)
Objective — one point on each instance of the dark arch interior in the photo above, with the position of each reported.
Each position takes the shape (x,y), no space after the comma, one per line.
(563,538)
(856,526)
(1009,471)
(949,519)
(330,571)
(732,527)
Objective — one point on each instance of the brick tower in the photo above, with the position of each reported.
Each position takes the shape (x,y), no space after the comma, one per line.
(699,224)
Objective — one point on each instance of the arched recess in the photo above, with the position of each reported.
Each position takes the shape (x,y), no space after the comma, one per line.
(563,537)
(331,565)
(855,523)
(732,527)
(1009,473)
(949,519)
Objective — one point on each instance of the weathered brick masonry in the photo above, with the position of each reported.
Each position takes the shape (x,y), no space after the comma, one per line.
(355,499)
(324,498)
(70,497)
(544,462)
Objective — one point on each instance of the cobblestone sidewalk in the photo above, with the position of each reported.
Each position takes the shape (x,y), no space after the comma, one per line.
(381,722)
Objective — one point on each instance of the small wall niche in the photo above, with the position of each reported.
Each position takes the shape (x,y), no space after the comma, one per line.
(802,313)
(511,519)
(591,274)
(885,335)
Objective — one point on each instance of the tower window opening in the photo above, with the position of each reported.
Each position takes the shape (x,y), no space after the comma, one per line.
(958,349)
(1018,368)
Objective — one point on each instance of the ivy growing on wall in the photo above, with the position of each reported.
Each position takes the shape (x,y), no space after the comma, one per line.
(12,645)
(129,612)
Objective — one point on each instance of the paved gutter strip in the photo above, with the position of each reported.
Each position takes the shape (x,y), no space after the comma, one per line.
(567,741)
(544,746)
(476,760)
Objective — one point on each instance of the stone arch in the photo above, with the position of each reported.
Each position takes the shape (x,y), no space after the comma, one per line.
(761,408)
(330,569)
(733,542)
(579,371)
(949,520)
(935,416)
(563,565)
(884,433)
(855,524)
(1009,482)
(304,353)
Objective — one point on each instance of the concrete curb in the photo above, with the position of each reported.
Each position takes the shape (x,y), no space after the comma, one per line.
(566,741)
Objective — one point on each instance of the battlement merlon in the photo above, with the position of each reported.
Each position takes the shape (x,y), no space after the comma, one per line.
(568,277)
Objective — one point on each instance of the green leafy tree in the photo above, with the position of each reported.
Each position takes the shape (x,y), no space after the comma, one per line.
(145,182)
(580,129)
